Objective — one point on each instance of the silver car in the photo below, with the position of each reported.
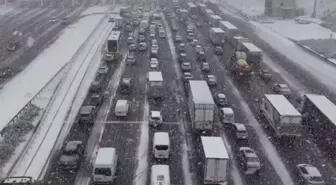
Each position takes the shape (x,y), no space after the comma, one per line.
(186,66)
(310,175)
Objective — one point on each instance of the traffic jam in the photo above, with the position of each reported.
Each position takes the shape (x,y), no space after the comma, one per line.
(193,103)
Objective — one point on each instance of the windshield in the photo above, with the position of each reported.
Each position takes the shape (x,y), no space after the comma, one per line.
(102,171)
(161,147)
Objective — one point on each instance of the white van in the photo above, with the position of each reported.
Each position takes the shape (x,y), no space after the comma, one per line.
(227,115)
(121,108)
(105,165)
(161,145)
(160,175)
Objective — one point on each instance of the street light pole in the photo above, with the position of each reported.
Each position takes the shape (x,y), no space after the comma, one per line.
(314,11)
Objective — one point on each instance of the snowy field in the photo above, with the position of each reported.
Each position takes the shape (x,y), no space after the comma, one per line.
(323,7)
(17,92)
(295,31)
(249,7)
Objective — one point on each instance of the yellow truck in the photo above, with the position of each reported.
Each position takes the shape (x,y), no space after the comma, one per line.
(239,66)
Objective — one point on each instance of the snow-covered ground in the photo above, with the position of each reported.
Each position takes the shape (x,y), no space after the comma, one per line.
(19,91)
(5,9)
(81,74)
(323,7)
(249,7)
(292,30)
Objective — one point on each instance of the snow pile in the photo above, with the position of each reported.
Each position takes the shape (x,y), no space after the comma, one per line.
(294,31)
(19,91)
(323,7)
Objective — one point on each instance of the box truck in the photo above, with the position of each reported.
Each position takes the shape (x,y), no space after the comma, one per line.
(281,115)
(201,105)
(216,160)
(217,36)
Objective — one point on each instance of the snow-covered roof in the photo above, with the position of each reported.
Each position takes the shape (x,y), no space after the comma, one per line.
(209,11)
(327,107)
(217,30)
(121,103)
(105,156)
(115,35)
(156,114)
(161,138)
(240,126)
(251,47)
(228,25)
(227,110)
(201,5)
(215,17)
(191,5)
(160,173)
(201,92)
(214,147)
(282,105)
(155,76)
(313,171)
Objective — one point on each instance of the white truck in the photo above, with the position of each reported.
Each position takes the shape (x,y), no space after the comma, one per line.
(119,22)
(121,108)
(216,160)
(236,42)
(282,116)
(144,24)
(230,30)
(201,105)
(215,20)
(184,14)
(253,53)
(155,85)
(217,36)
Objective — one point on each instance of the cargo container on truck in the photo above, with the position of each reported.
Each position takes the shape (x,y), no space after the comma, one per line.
(217,36)
(124,11)
(216,160)
(119,23)
(253,53)
(319,114)
(183,13)
(208,14)
(230,30)
(192,9)
(214,6)
(201,8)
(155,85)
(281,115)
(201,105)
(215,20)
(236,42)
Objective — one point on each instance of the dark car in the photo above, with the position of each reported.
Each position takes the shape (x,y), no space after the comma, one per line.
(13,46)
(72,155)
(87,114)
(96,99)
(126,86)
(6,72)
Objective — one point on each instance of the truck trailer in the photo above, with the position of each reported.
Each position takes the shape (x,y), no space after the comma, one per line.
(236,42)
(192,9)
(217,36)
(319,115)
(215,20)
(230,30)
(183,14)
(201,105)
(216,160)
(281,115)
(155,85)
(253,53)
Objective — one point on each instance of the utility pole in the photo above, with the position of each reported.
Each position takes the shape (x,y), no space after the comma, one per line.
(41,3)
(314,11)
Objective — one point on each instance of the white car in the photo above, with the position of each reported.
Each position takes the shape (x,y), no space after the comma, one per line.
(178,38)
(154,42)
(154,63)
(198,48)
(309,174)
(194,42)
(282,89)
(248,160)
(152,35)
(182,48)
(187,76)
(186,66)
(155,118)
(132,47)
(130,40)
(191,36)
(211,80)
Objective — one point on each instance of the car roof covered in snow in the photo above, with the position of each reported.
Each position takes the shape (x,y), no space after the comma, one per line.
(200,92)
(282,105)
(86,109)
(327,107)
(155,76)
(161,138)
(160,174)
(214,147)
(215,17)
(155,113)
(105,157)
(227,110)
